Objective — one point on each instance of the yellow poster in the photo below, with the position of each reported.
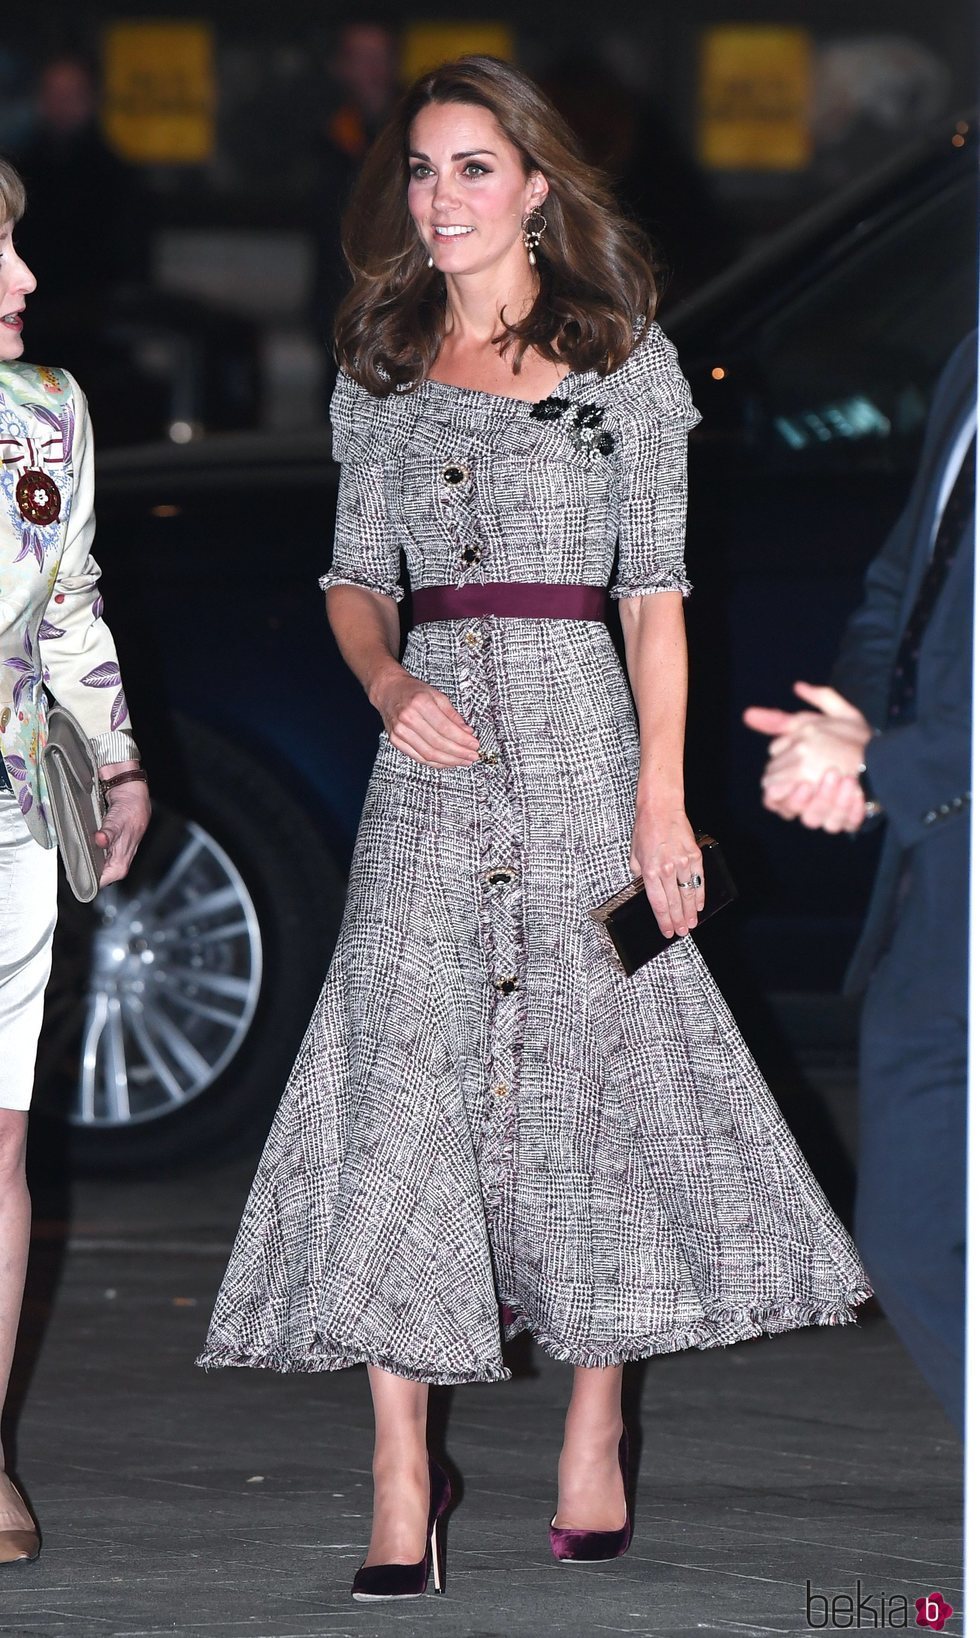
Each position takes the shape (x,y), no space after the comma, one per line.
(426,45)
(754,99)
(159,98)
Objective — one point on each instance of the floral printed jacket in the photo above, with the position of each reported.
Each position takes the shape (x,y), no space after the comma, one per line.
(51,628)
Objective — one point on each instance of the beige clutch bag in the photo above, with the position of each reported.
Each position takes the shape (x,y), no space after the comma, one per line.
(71,773)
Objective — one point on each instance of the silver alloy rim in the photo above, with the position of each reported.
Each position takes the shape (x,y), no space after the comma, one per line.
(174,974)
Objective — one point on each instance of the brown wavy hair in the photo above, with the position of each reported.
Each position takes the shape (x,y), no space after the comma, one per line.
(597,273)
(13,199)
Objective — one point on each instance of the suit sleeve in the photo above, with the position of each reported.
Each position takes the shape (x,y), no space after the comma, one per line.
(918,771)
(921,773)
(81,667)
(862,670)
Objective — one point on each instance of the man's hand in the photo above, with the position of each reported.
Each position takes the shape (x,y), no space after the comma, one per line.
(126,820)
(814,758)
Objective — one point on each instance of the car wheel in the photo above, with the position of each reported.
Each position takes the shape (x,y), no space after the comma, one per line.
(178,1000)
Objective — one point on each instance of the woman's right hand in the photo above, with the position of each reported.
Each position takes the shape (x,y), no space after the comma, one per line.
(424,724)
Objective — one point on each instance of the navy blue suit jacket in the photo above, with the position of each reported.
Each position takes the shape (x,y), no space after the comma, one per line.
(920,772)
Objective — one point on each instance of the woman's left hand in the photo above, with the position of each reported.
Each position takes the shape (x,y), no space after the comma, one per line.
(126,819)
(665,853)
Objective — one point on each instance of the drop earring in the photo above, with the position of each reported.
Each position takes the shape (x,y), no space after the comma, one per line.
(430,262)
(532,235)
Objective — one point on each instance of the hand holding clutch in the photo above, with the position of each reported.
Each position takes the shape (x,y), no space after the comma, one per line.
(630,926)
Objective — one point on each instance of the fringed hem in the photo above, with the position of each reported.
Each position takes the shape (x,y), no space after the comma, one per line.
(277,1359)
(677,582)
(714,1331)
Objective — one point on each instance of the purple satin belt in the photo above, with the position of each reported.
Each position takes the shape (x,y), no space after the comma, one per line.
(514,599)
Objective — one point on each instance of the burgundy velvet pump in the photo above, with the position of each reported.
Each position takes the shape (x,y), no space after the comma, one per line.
(411,1580)
(591,1546)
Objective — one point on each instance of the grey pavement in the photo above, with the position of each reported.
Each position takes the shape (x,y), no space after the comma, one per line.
(236,1504)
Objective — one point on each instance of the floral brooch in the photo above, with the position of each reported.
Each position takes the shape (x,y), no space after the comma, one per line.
(38,498)
(582,421)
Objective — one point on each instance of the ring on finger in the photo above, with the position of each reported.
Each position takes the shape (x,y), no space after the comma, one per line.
(691,885)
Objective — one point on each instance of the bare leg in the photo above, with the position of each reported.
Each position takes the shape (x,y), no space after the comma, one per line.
(15,1234)
(401,1472)
(590,1486)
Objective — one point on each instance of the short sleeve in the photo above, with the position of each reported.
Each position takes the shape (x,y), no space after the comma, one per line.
(649,460)
(365,552)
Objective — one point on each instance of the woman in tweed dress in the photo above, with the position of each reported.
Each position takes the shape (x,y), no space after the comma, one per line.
(487,1127)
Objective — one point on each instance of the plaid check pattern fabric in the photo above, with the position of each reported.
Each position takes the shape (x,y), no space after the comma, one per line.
(488,1128)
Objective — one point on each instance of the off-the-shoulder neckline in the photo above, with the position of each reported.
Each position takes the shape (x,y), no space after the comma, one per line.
(506,398)
(407,389)
(501,397)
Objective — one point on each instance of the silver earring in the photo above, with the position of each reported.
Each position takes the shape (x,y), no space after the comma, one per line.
(431,263)
(532,235)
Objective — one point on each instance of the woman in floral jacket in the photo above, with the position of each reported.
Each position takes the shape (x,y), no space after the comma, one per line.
(51,634)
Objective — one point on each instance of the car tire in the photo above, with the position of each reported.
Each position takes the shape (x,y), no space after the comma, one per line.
(277,897)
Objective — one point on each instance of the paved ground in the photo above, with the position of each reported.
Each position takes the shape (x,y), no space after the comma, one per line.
(236,1504)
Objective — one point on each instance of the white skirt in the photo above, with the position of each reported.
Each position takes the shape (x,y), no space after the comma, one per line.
(28,910)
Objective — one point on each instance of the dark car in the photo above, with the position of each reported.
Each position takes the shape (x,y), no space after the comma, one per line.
(155,363)
(179,1002)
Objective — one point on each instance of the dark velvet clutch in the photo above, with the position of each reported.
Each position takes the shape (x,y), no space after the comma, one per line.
(628,921)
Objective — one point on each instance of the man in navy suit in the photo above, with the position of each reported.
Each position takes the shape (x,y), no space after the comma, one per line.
(889,743)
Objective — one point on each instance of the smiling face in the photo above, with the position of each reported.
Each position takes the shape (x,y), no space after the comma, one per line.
(16,283)
(468,191)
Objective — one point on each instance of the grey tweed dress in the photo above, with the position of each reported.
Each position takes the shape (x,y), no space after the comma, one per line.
(488,1129)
